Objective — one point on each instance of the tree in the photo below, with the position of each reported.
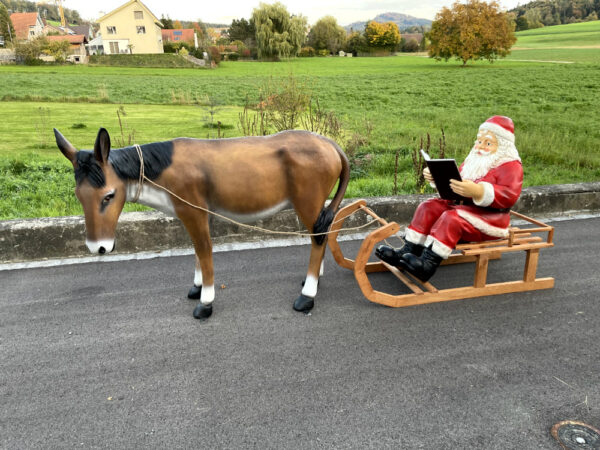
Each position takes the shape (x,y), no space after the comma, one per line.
(473,30)
(522,23)
(242,30)
(356,43)
(7,30)
(29,51)
(58,49)
(167,22)
(327,34)
(278,34)
(177,25)
(382,35)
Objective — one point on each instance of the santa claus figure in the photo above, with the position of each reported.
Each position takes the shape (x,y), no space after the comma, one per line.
(492,177)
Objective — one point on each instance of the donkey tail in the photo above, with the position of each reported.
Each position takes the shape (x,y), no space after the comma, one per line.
(325,218)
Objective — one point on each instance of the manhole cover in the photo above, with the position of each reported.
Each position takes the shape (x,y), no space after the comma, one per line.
(576,435)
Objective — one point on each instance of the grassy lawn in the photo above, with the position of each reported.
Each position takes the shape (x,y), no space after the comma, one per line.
(554,107)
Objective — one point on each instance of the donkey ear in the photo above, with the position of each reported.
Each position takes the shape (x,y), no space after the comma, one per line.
(65,146)
(102,146)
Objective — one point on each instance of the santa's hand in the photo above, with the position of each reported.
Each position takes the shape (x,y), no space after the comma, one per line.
(467,189)
(427,175)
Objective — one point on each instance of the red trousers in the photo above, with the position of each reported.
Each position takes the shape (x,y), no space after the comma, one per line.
(439,219)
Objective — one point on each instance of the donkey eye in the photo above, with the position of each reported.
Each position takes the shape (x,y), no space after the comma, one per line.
(107,198)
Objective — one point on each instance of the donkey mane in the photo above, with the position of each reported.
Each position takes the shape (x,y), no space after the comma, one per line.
(125,162)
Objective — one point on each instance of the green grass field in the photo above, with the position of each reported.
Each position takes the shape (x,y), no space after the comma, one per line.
(577,42)
(554,107)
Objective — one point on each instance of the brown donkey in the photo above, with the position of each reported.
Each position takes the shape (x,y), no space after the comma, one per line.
(245,179)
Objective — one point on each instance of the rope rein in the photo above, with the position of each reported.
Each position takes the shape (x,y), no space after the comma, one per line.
(143,178)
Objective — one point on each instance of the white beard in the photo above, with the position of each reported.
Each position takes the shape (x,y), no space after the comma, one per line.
(476,166)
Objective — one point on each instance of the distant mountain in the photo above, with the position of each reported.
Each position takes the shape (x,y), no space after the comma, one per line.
(402,20)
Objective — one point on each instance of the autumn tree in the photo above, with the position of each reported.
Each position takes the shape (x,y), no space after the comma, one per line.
(278,34)
(177,25)
(382,35)
(326,34)
(473,30)
(7,30)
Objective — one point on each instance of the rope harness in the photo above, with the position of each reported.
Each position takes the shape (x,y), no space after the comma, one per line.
(143,178)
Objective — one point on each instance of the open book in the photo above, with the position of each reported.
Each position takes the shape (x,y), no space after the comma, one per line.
(442,171)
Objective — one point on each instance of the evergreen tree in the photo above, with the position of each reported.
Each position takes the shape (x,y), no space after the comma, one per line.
(7,30)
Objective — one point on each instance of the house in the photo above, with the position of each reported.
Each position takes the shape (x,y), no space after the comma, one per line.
(183,35)
(77,51)
(131,28)
(27,26)
(86,30)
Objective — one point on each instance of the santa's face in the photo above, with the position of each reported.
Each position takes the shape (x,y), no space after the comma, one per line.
(486,143)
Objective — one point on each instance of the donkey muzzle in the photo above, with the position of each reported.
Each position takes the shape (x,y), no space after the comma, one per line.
(102,246)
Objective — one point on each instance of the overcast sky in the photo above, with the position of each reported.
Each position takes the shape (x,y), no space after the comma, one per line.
(224,11)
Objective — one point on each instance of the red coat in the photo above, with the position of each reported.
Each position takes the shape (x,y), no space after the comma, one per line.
(502,191)
(448,223)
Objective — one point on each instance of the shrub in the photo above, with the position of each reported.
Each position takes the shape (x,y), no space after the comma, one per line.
(215,54)
(233,56)
(411,46)
(323,52)
(306,52)
(246,53)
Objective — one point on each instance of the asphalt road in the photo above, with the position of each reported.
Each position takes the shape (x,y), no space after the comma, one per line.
(108,355)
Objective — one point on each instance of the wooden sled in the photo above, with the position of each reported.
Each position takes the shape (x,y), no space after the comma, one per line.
(478,252)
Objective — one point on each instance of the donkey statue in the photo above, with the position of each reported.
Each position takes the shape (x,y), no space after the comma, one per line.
(245,179)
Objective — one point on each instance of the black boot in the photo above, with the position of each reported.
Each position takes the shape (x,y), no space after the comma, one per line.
(393,256)
(422,267)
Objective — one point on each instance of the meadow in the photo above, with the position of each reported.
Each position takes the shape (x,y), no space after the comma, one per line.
(553,105)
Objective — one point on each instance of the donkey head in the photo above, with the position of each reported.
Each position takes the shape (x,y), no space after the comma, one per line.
(101,192)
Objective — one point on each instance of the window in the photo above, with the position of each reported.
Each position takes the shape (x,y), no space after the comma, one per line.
(141,29)
(177,33)
(111,30)
(177,38)
(114,47)
(138,15)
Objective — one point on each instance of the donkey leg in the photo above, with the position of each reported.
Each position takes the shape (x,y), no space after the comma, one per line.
(196,289)
(196,224)
(305,301)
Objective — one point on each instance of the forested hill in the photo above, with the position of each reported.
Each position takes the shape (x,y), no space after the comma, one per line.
(539,13)
(402,20)
(47,11)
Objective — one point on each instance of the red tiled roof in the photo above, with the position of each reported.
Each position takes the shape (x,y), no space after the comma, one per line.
(186,34)
(72,38)
(21,23)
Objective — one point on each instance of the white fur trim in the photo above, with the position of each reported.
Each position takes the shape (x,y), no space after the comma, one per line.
(488,194)
(482,225)
(442,250)
(414,237)
(498,131)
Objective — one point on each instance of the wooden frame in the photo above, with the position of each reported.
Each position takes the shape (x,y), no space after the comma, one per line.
(480,253)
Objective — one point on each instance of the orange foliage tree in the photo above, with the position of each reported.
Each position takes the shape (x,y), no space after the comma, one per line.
(383,35)
(472,30)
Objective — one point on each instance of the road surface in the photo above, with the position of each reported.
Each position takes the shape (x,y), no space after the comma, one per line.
(108,355)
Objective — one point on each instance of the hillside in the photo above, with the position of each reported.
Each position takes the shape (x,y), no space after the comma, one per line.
(575,35)
(539,13)
(403,21)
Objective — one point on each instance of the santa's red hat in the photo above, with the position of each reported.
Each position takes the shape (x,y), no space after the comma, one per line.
(501,126)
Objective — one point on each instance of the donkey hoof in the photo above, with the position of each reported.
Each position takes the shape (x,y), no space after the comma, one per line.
(194,293)
(304,303)
(202,312)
